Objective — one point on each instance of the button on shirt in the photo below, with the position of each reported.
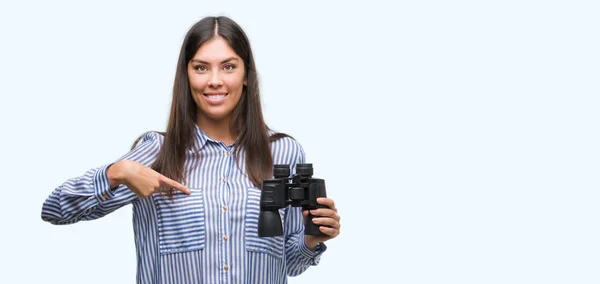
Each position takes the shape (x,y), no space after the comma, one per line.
(209,236)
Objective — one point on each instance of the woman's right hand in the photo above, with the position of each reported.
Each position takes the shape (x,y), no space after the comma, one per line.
(142,180)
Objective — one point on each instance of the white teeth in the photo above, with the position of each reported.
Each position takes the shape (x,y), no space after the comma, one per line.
(216,96)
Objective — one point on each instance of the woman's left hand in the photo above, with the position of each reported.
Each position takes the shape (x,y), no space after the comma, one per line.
(328,221)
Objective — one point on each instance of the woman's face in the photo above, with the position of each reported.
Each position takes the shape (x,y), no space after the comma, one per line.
(216,75)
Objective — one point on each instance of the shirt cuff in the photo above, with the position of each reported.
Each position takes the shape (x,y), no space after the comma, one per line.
(315,256)
(101,184)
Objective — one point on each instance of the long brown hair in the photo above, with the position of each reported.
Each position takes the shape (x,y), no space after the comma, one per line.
(247,120)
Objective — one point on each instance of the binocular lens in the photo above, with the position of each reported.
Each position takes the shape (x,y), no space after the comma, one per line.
(269,224)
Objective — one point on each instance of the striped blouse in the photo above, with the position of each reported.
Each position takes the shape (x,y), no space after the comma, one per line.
(209,236)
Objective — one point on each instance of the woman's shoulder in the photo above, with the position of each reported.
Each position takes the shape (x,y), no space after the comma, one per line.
(149,137)
(285,145)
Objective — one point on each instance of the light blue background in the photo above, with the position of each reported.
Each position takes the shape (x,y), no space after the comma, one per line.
(458,138)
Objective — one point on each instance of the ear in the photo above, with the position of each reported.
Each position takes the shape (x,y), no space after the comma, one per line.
(246,82)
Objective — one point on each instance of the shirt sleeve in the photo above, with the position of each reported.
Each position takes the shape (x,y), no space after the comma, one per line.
(89,196)
(297,255)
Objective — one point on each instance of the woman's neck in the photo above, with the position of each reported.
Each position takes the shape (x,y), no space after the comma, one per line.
(219,130)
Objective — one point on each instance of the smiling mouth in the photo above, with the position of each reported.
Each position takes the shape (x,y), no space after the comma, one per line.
(215,98)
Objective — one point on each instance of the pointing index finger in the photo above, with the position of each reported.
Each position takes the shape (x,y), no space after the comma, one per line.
(176,185)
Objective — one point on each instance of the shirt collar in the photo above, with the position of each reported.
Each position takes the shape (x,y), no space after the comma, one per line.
(201,138)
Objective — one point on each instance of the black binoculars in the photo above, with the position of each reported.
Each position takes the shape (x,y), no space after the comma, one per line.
(299,190)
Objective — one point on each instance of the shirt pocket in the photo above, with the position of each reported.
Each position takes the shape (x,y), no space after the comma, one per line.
(273,246)
(181,221)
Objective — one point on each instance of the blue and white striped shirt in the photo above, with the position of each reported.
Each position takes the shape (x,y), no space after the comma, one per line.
(209,236)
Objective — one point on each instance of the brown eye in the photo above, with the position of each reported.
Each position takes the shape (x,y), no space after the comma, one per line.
(228,67)
(201,68)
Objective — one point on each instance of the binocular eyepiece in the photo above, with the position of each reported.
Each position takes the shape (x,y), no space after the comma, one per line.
(298,190)
(283,171)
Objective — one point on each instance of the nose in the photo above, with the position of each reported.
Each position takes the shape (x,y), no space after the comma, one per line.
(215,81)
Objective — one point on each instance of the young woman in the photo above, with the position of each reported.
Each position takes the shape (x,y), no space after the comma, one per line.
(195,189)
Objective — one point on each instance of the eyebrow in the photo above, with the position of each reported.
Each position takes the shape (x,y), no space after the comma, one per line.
(224,61)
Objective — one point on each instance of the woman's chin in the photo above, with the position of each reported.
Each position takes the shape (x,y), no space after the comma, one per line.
(215,116)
